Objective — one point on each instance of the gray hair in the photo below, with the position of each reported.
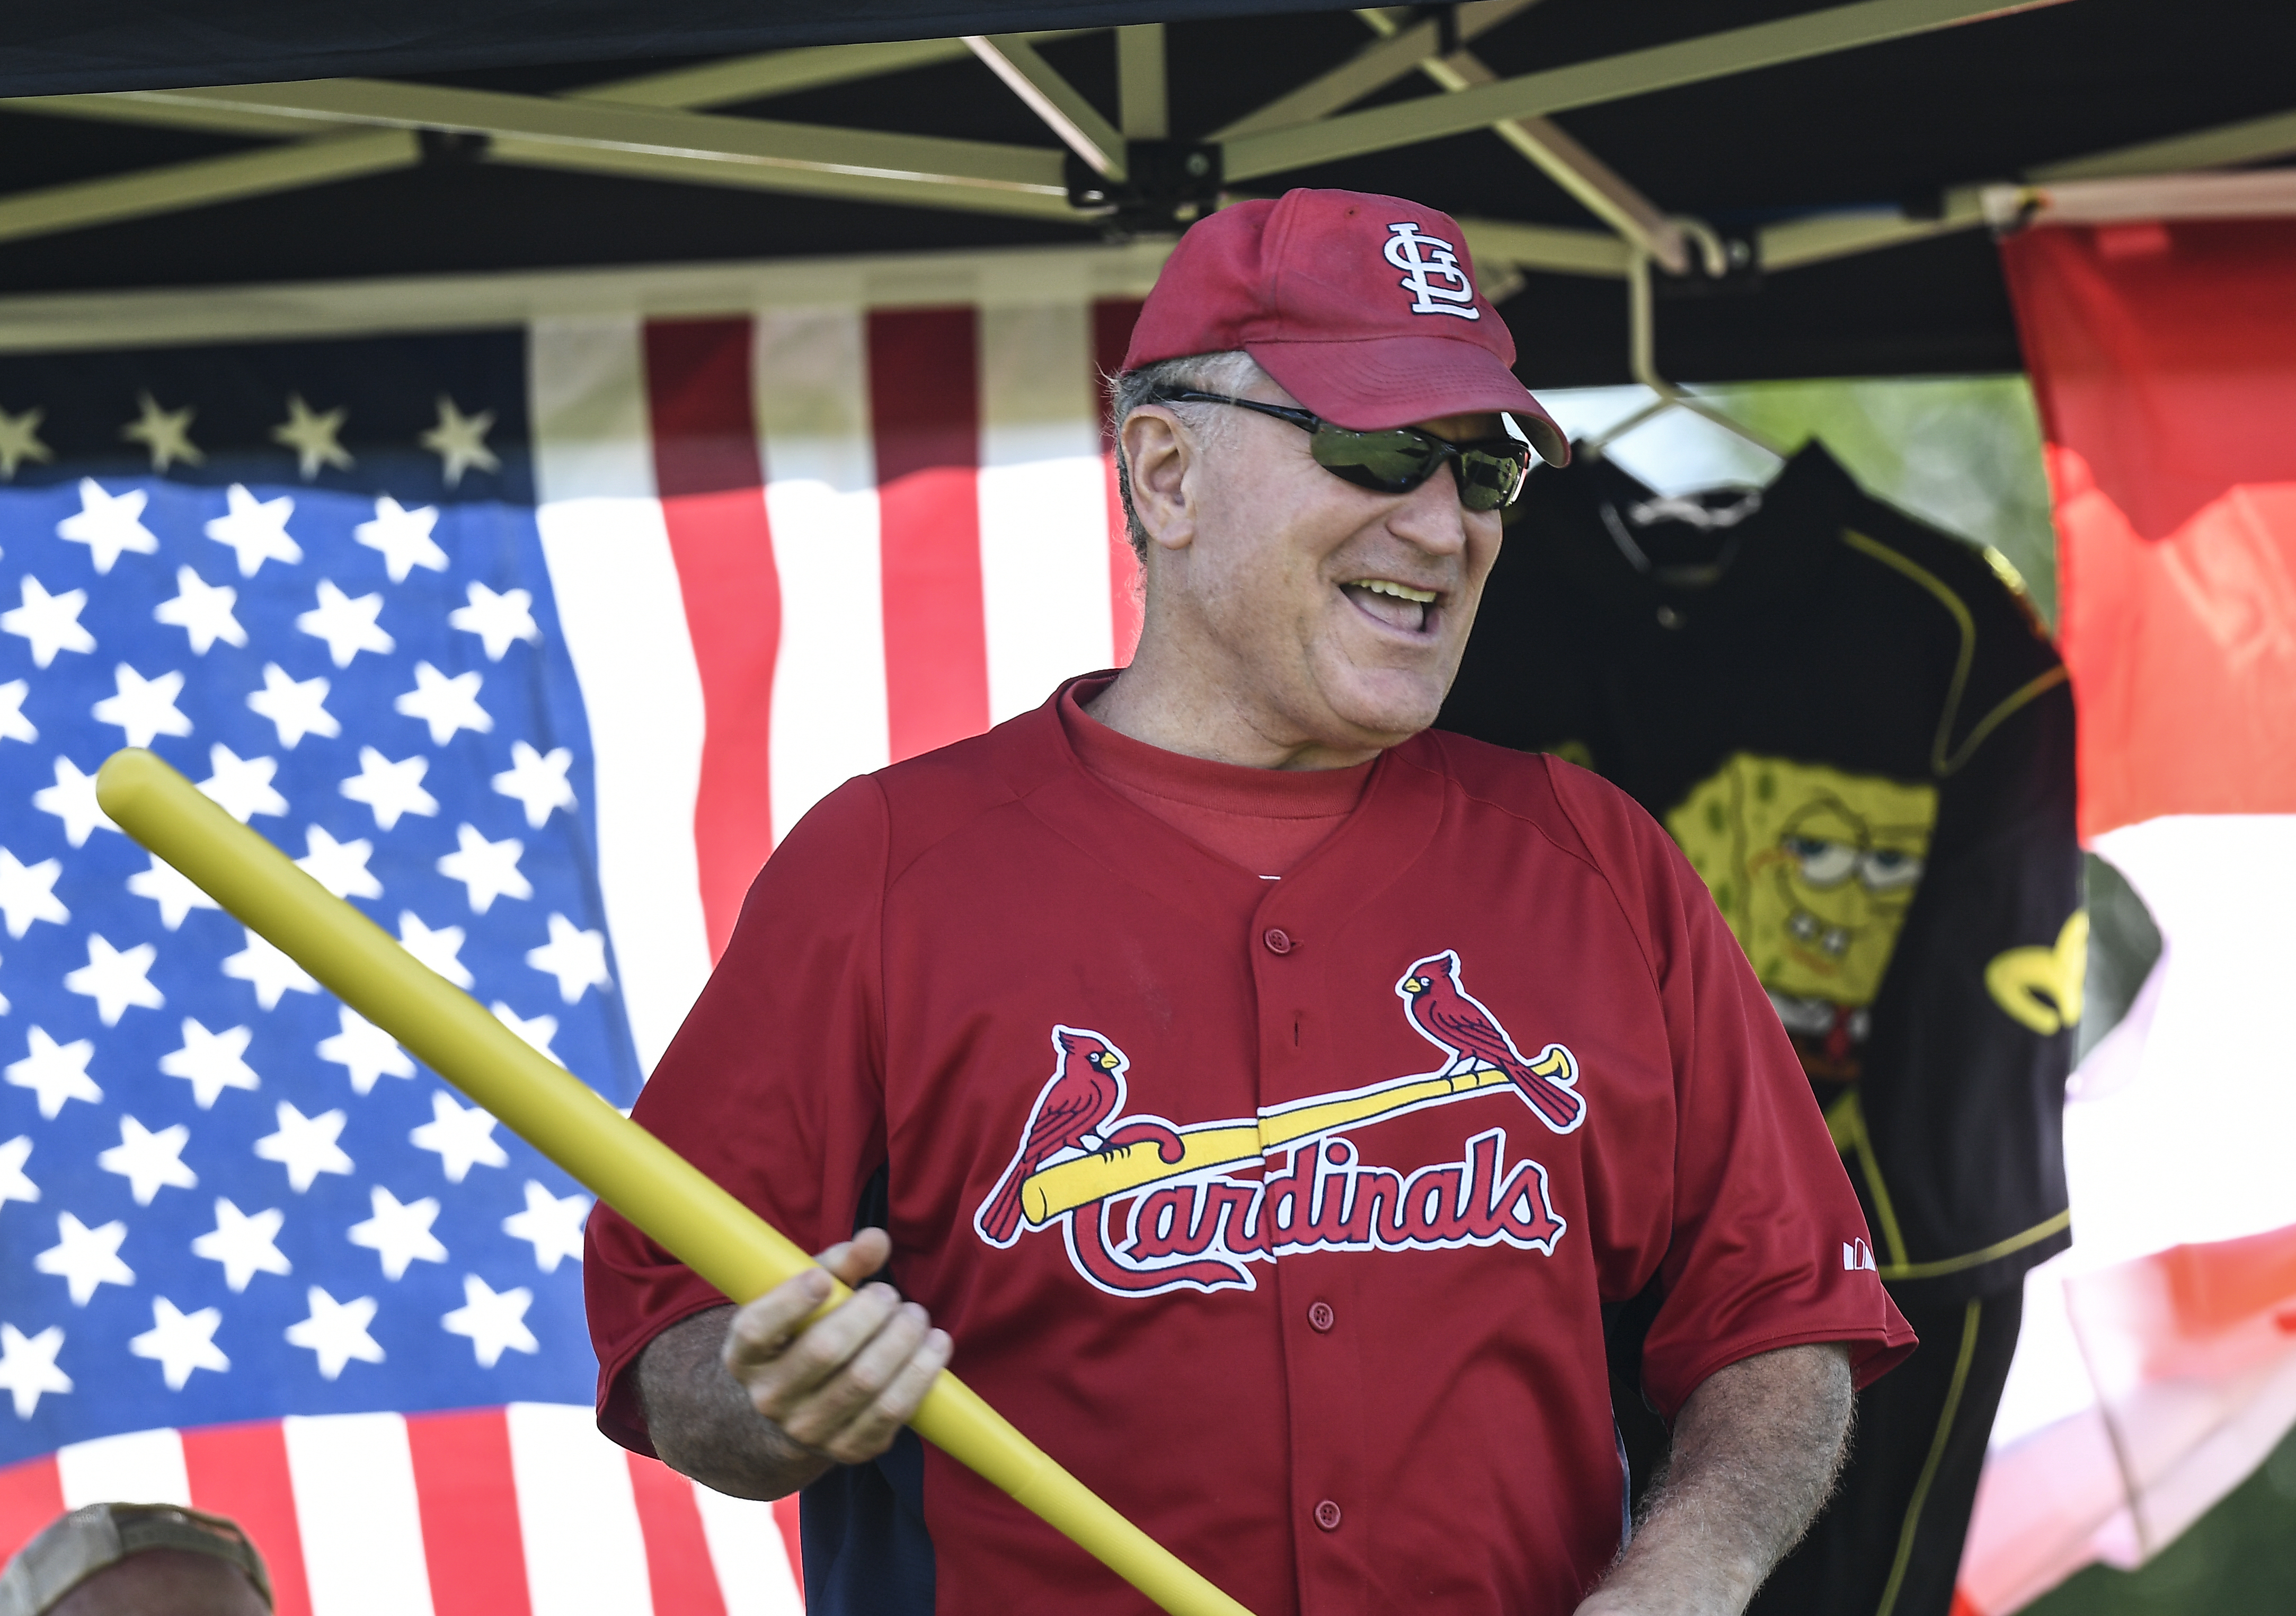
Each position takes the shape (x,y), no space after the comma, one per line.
(1230,373)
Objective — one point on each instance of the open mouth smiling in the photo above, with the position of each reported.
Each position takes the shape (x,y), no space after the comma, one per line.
(1395,605)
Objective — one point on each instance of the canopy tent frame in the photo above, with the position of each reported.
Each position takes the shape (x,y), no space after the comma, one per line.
(662,127)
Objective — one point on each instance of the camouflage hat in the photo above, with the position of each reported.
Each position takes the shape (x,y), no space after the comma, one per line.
(74,1546)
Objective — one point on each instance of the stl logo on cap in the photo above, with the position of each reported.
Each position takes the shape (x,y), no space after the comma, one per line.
(1306,284)
(1430,272)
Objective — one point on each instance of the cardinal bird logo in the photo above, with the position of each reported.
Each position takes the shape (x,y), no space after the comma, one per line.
(1448,1015)
(1086,1089)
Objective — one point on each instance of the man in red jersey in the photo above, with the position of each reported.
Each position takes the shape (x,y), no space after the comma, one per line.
(1266,1099)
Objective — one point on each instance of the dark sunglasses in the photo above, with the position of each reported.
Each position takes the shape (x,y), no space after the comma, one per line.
(1489,474)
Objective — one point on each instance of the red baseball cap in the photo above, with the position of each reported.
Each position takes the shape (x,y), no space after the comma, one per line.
(1364,308)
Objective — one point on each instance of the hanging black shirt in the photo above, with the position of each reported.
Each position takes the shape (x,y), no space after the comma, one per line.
(1853,726)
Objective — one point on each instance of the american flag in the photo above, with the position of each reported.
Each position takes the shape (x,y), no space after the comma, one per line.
(531,643)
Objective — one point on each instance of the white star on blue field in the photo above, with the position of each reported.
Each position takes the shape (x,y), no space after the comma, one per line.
(223,1195)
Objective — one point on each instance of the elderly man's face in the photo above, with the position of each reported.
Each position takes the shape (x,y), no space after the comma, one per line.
(1338,611)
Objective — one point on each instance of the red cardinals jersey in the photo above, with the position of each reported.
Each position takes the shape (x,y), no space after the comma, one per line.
(1317,1213)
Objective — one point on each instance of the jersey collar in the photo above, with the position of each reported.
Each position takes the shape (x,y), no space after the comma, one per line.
(1401,807)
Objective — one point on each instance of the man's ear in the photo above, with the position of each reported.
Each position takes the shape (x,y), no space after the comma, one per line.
(1158,454)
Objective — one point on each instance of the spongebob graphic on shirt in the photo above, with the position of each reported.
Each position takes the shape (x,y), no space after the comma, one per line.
(1814,869)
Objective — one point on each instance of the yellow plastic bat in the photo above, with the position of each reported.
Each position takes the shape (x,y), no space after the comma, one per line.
(661,1192)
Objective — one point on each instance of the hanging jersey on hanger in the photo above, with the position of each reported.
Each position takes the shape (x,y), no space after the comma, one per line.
(1856,732)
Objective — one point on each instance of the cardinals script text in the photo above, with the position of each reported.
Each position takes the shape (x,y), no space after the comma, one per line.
(1186,1220)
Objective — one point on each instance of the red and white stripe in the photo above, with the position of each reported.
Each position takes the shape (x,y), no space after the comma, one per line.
(793,546)
(523,1511)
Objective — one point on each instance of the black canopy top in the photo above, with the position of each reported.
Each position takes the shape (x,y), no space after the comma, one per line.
(1892,127)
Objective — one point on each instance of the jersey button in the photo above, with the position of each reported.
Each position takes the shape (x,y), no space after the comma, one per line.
(1327,1515)
(1321,1318)
(1278,941)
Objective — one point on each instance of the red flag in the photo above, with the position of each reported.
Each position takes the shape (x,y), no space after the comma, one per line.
(2163,356)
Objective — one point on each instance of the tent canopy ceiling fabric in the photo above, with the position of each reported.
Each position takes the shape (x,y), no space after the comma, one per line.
(124,45)
(497,135)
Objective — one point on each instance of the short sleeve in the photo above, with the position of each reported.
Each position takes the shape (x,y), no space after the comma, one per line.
(773,1087)
(1766,1246)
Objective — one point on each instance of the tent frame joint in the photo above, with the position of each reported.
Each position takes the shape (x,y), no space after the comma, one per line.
(1166,185)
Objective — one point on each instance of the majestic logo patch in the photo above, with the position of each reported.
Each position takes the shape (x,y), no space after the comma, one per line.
(1147,1207)
(1431,273)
